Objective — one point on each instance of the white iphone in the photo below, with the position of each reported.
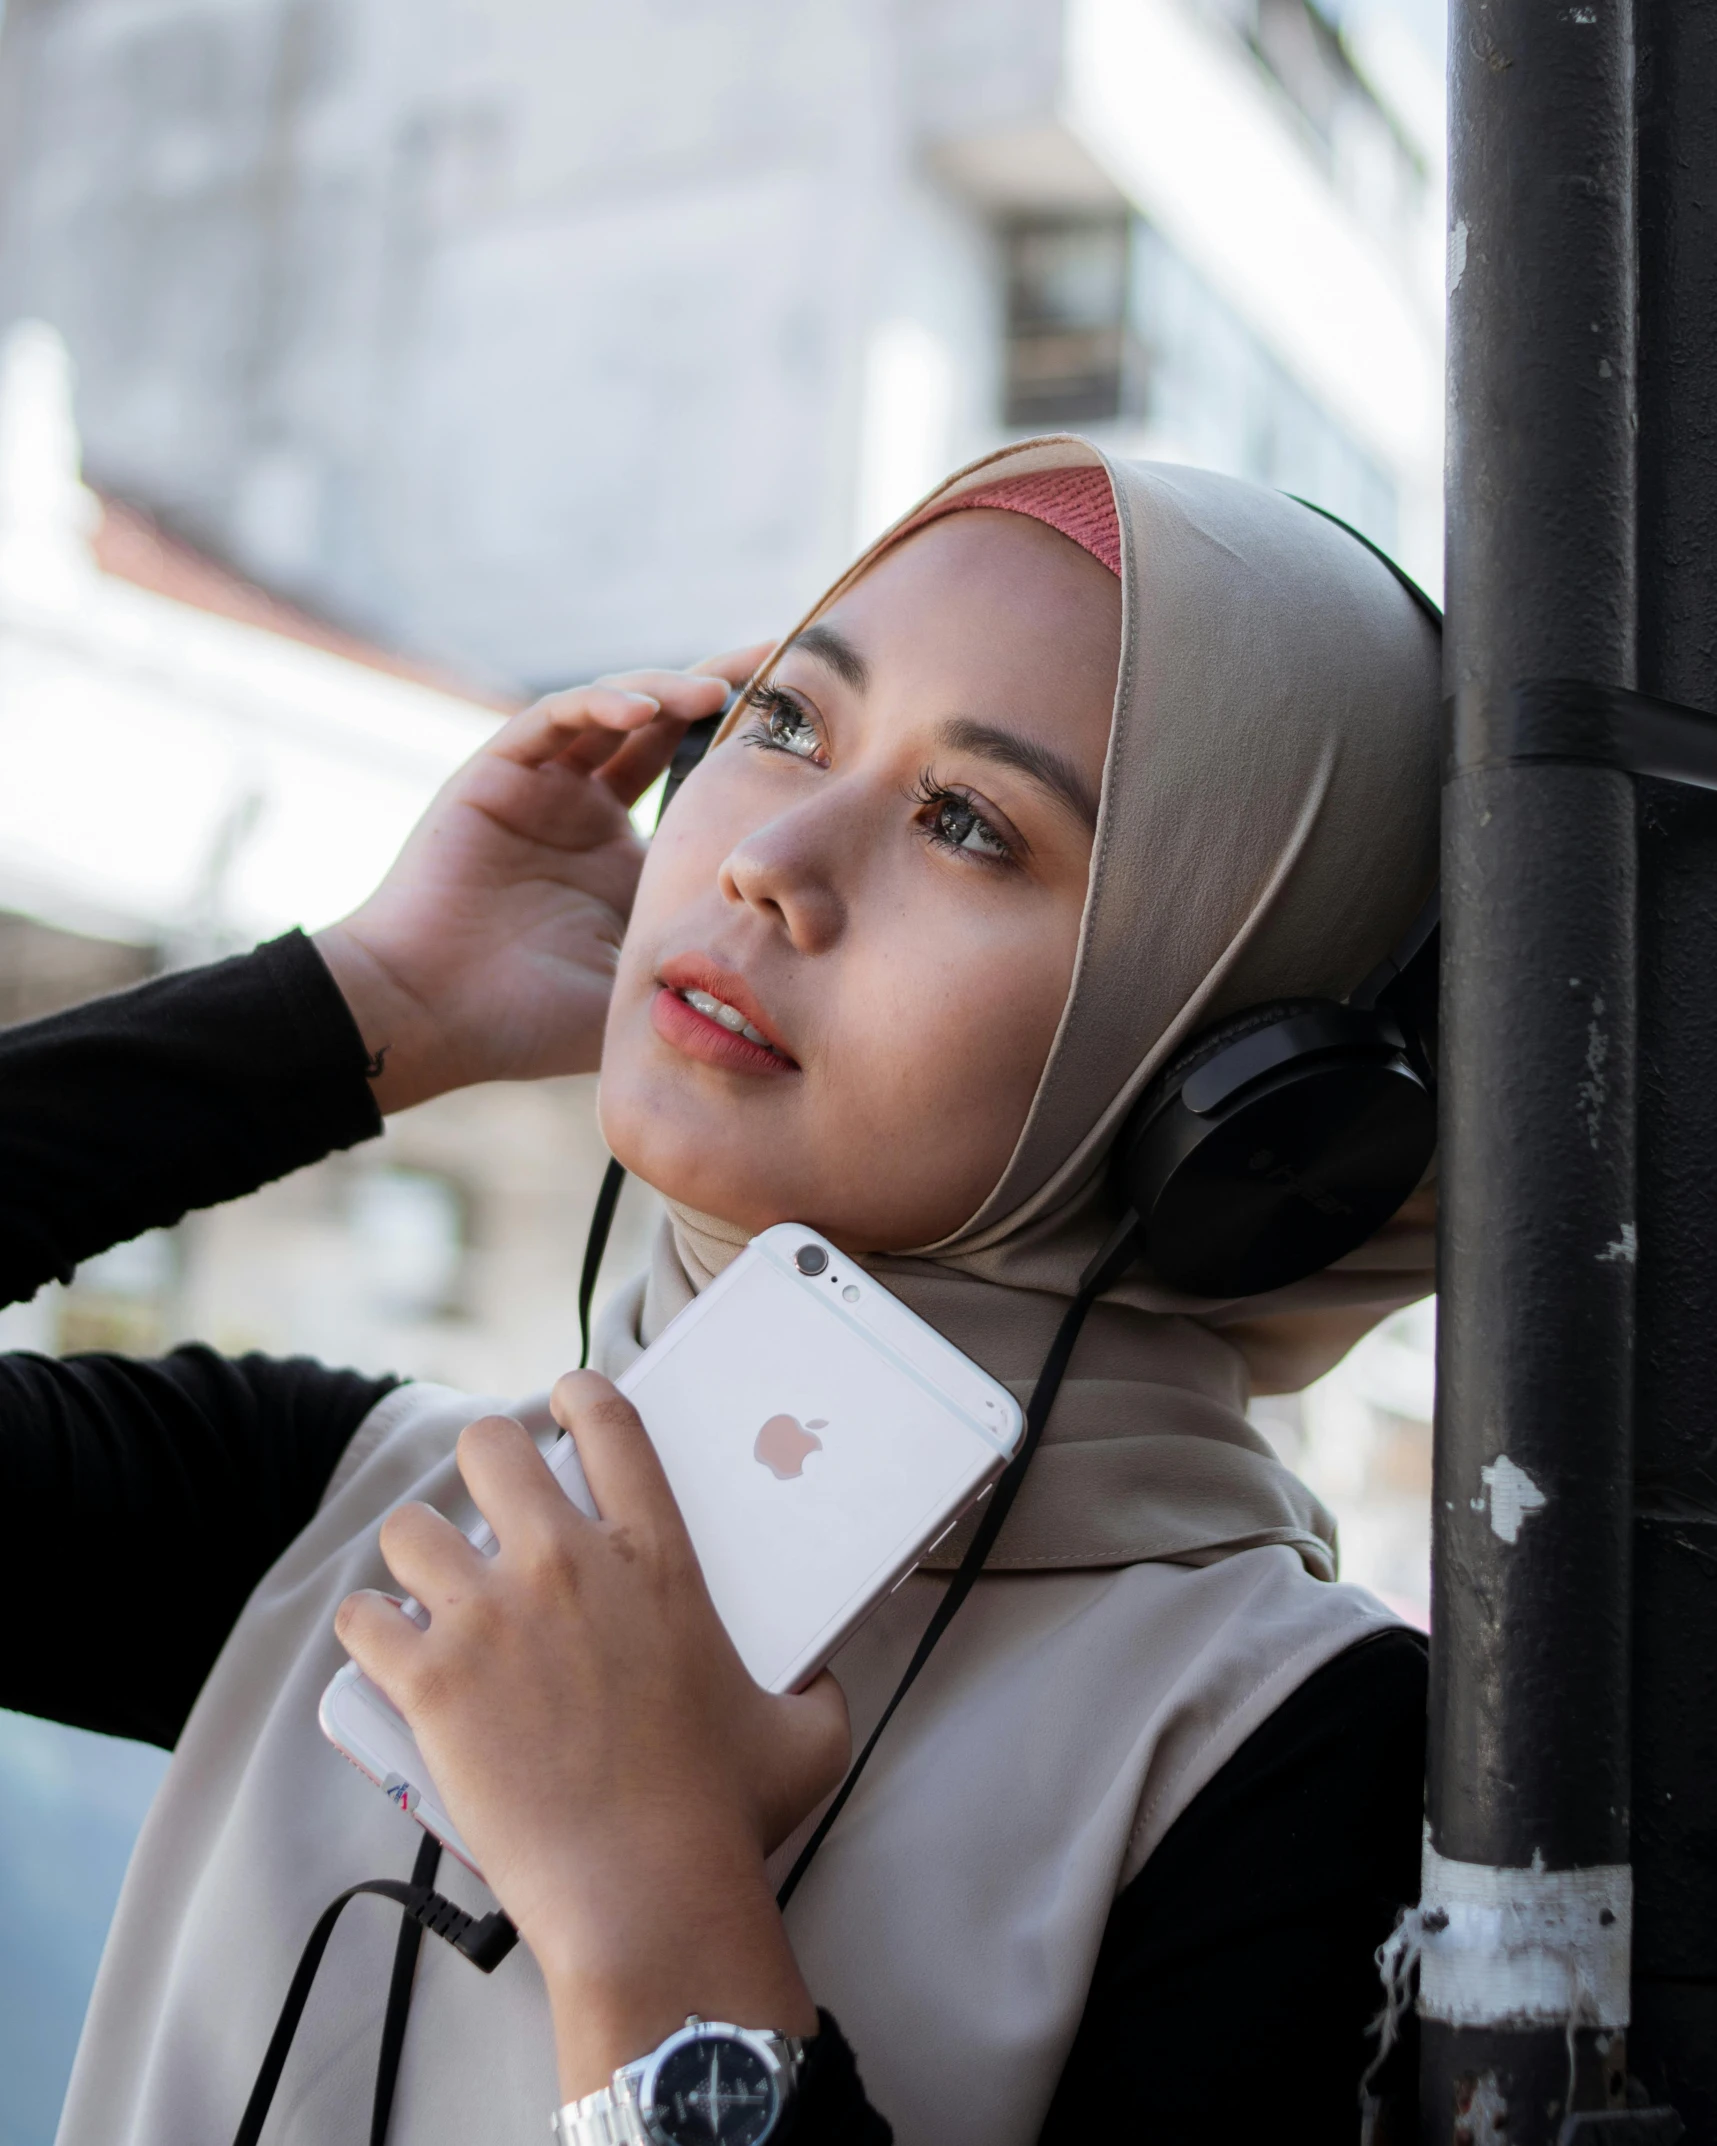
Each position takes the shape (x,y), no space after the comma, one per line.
(819,1438)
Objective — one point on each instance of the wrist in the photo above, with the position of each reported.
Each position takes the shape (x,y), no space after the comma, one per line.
(624,1973)
(393,1022)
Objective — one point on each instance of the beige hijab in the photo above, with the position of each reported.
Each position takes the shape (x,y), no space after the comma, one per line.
(1267,829)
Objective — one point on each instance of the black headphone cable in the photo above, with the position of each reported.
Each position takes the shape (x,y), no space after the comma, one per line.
(1116,1256)
(399,1994)
(601,1222)
(487,1940)
(484,1940)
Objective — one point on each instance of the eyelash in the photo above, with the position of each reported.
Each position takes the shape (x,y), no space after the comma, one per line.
(770,703)
(772,706)
(934,796)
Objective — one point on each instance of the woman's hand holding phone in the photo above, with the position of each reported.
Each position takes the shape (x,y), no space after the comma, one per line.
(487,953)
(598,1741)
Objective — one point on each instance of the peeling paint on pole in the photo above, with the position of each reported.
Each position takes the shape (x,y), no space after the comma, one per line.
(1514,1496)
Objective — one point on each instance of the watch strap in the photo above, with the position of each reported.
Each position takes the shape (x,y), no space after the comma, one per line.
(609,2117)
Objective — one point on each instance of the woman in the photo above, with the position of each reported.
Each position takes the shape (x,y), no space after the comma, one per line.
(1082,759)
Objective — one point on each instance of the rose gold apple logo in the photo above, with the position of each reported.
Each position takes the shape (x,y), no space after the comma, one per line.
(784,1444)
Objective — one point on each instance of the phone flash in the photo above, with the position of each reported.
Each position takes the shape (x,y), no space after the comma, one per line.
(850,1295)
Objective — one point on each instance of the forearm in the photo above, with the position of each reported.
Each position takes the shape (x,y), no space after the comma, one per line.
(153,1496)
(124,1114)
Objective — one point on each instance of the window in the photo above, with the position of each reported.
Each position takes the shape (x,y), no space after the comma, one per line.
(1069,355)
(1300,48)
(1215,395)
(1109,325)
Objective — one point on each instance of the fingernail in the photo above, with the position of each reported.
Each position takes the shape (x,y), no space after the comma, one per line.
(648,700)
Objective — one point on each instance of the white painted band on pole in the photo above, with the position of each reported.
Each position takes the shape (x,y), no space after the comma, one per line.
(1524,1948)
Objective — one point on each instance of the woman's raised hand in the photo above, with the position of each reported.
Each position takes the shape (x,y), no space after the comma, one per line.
(488,951)
(597,1740)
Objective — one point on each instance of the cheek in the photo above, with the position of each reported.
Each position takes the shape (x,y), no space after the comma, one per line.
(943,1028)
(649,1103)
(680,866)
(626,1034)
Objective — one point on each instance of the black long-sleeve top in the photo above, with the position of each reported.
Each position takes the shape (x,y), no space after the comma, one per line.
(1235,1981)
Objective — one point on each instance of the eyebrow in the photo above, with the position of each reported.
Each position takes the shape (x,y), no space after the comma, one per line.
(834,649)
(1053,771)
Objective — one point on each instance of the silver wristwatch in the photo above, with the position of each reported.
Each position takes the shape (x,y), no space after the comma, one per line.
(708,2084)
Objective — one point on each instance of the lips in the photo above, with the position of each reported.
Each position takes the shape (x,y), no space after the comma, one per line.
(728,1017)
(711,1013)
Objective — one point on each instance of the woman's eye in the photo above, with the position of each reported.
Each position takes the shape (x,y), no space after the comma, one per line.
(955,821)
(789,729)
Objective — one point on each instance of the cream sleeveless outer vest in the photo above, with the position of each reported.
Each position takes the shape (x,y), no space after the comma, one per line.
(950,1923)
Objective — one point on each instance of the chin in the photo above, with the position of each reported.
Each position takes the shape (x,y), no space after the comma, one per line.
(749,1168)
(683,1158)
(709,1174)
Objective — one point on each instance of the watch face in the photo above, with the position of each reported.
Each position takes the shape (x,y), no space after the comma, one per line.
(713,2091)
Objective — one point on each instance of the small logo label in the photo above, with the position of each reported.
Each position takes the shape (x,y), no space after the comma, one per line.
(400,1792)
(784,1444)
(1262,1161)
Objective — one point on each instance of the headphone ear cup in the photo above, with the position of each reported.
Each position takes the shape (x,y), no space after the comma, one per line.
(1274,1147)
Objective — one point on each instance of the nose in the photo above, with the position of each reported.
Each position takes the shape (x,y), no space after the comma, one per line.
(789,870)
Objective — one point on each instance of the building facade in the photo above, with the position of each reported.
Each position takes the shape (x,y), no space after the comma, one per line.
(188,766)
(542,337)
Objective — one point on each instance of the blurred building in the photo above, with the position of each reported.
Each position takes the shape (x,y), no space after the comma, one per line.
(1361,1437)
(547,336)
(188,765)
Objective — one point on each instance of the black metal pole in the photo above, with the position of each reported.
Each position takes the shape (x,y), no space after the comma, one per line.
(1525,1902)
(1673,2039)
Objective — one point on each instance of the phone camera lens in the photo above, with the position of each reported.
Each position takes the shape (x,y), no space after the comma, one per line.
(810,1259)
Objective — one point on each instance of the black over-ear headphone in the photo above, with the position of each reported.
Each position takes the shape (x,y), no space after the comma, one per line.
(1281,1138)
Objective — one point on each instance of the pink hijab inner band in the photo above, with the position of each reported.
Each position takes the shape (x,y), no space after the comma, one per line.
(1077,502)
